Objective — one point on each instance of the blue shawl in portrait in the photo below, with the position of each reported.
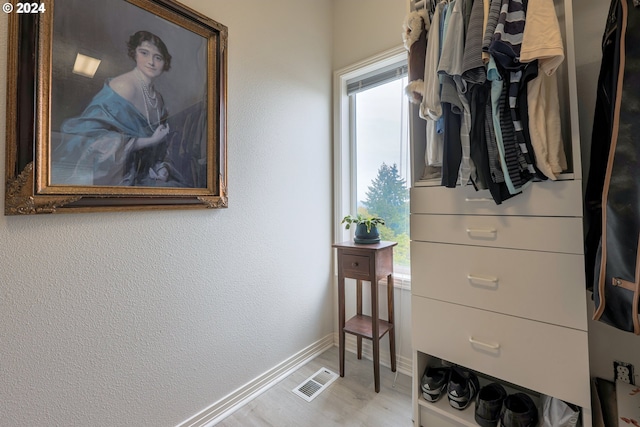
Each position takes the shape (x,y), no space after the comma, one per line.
(96,148)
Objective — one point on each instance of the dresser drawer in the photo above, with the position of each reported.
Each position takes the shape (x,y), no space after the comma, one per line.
(553,234)
(545,358)
(356,266)
(556,198)
(543,286)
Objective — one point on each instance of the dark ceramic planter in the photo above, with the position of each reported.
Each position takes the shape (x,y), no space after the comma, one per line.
(363,237)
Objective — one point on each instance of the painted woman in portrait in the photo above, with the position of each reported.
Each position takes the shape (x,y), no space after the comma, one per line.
(121,137)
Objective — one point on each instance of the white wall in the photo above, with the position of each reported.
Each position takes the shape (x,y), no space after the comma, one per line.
(145,318)
(364,28)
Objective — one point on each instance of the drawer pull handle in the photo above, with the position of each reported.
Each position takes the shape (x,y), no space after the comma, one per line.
(484,344)
(482,231)
(489,279)
(478,199)
(355,264)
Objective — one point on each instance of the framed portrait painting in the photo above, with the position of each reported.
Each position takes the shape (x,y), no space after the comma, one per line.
(117,105)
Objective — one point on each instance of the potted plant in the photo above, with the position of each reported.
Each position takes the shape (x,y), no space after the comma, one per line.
(366,227)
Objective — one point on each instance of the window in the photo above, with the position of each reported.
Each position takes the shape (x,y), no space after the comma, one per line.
(372,148)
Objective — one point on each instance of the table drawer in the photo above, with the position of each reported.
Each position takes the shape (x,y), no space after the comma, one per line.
(542,286)
(552,234)
(550,198)
(356,266)
(545,358)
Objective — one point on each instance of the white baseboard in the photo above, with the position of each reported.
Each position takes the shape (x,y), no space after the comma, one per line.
(233,401)
(403,364)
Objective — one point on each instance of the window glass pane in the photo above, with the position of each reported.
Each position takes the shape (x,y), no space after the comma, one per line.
(382,162)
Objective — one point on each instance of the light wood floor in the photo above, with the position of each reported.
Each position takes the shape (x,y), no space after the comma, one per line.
(350,401)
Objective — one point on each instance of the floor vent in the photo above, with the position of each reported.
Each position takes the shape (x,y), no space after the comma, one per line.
(312,386)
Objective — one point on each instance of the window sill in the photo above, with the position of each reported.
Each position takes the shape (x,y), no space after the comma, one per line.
(400,281)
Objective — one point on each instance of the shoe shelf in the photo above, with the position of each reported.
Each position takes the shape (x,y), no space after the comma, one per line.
(464,417)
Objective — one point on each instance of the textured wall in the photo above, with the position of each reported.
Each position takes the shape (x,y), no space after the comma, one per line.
(364,28)
(145,318)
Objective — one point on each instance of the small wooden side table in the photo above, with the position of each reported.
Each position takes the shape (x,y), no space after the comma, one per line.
(369,262)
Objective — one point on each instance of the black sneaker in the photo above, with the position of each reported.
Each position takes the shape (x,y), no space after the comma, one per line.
(518,411)
(462,388)
(488,404)
(434,383)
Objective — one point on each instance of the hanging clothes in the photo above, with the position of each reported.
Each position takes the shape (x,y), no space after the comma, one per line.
(416,32)
(475,96)
(431,106)
(505,48)
(617,259)
(601,138)
(456,161)
(495,144)
(414,37)
(542,42)
(474,74)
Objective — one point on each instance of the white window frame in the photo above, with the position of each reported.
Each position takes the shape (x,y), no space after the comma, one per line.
(344,161)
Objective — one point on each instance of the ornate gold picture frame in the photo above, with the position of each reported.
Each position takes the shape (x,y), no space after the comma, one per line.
(117,105)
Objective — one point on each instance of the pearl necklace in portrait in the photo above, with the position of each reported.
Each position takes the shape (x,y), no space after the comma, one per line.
(148,98)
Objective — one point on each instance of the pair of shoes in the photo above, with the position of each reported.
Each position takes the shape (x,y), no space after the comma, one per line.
(462,388)
(518,411)
(460,385)
(489,404)
(434,383)
(493,406)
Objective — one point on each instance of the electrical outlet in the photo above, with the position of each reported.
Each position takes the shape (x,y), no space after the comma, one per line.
(623,371)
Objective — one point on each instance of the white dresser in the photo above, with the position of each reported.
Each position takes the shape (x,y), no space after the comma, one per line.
(500,289)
